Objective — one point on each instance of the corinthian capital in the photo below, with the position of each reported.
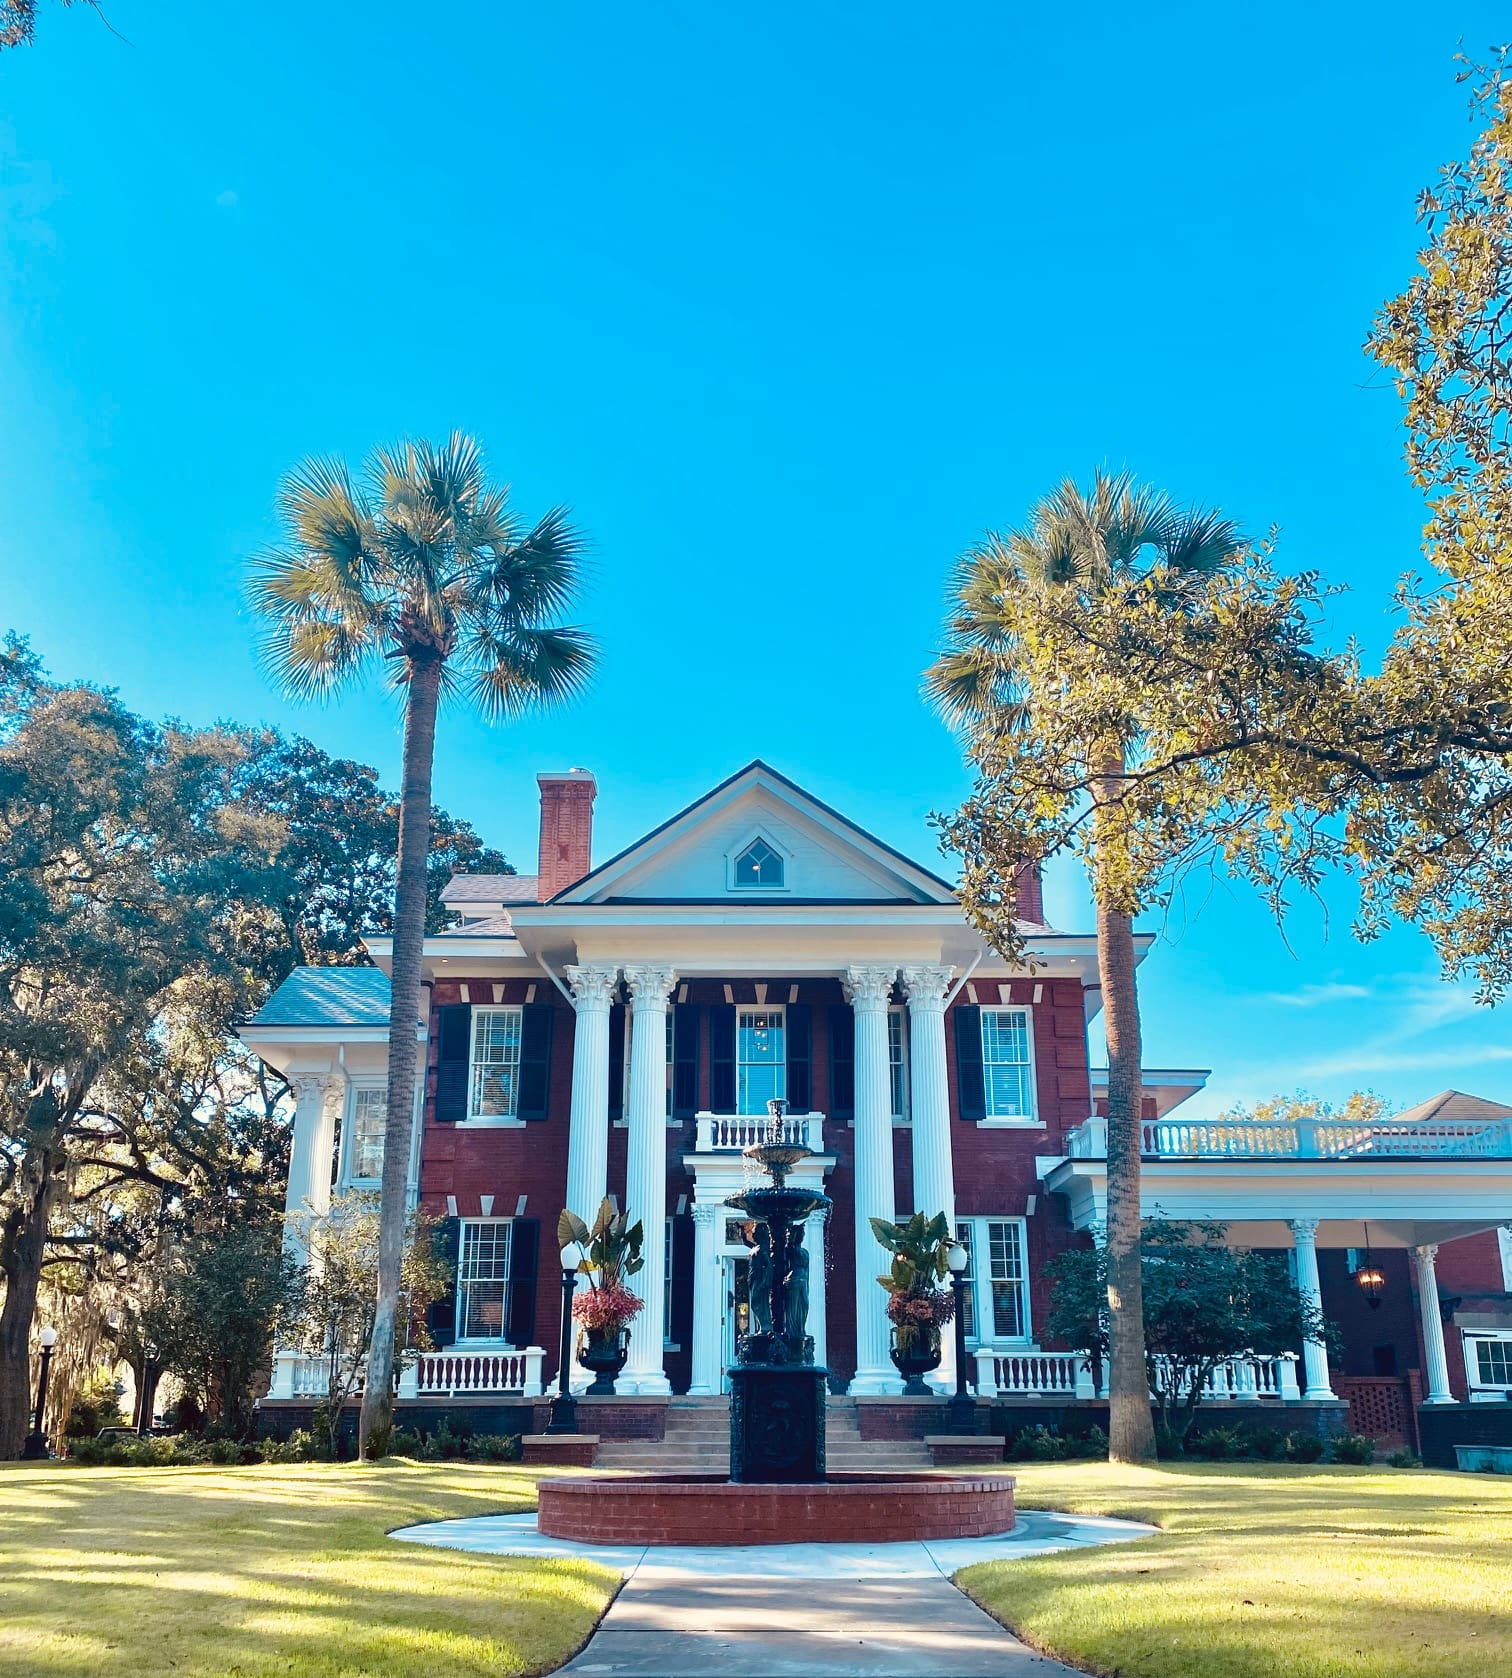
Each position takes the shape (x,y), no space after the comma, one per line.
(592,987)
(869,987)
(926,987)
(649,985)
(310,1086)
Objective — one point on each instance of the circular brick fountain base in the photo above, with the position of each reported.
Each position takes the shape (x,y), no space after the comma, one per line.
(708,1509)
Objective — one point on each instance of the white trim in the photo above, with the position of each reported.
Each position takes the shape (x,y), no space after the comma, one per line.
(897,1019)
(357,1085)
(780,1010)
(480,1012)
(783,854)
(1015,1121)
(981,1334)
(1470,1337)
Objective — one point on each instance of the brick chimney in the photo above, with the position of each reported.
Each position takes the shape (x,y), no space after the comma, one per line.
(566,830)
(1029,894)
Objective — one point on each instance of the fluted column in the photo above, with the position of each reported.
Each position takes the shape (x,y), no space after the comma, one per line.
(588,1124)
(708,1313)
(929,1091)
(1435,1364)
(646,1170)
(1314,1352)
(870,989)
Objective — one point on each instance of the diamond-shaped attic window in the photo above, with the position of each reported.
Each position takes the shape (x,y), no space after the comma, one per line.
(758,865)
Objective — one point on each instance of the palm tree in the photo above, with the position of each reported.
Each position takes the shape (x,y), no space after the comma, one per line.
(419,567)
(1082,542)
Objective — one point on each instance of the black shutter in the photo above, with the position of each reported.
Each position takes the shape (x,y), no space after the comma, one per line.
(842,1061)
(800,1051)
(971,1091)
(453,1048)
(616,1064)
(535,1060)
(685,1023)
(441,1317)
(722,1058)
(524,1256)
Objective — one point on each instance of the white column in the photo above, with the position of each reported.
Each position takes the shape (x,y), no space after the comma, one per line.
(708,1307)
(311,1145)
(1436,1365)
(818,1313)
(870,989)
(588,1124)
(929,1101)
(1314,1352)
(646,1170)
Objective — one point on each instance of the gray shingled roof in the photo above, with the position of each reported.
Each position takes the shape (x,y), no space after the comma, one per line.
(1454,1107)
(490,888)
(328,996)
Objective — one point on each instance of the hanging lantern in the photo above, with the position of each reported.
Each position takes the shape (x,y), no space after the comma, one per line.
(1372,1282)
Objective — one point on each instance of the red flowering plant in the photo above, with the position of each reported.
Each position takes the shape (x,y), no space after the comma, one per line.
(917,1306)
(611,1251)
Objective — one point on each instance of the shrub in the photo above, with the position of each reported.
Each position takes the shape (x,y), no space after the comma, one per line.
(1268,1443)
(175,1451)
(96,1405)
(495,1447)
(1403,1459)
(1037,1444)
(300,1446)
(1219,1444)
(1356,1448)
(1304,1447)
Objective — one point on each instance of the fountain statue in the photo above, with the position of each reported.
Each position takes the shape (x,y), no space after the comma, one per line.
(777,1392)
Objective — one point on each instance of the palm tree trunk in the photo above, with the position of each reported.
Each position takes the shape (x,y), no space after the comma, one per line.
(377,1420)
(1131,1430)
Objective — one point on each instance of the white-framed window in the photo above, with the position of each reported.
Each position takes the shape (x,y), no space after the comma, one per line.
(627,1027)
(483,1279)
(759,866)
(997,1278)
(1008,1065)
(367,1118)
(1488,1361)
(897,1064)
(760,1058)
(494,1081)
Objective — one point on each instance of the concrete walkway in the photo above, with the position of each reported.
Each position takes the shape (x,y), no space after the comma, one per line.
(796,1610)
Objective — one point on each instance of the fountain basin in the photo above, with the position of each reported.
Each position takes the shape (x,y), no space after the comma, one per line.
(701,1509)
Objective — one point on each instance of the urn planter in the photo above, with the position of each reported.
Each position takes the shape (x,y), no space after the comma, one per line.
(913,1358)
(604,1352)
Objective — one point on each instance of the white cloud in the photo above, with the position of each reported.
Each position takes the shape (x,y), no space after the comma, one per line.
(1373,1058)
(227,200)
(1318,996)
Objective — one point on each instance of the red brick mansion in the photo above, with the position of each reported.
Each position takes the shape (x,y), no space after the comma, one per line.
(619,1028)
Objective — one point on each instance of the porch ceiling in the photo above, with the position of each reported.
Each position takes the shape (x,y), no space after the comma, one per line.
(1407,1202)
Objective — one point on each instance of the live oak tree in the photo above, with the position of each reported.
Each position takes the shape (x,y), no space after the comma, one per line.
(420,568)
(1017,598)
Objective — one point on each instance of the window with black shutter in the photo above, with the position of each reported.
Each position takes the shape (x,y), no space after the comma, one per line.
(617,1062)
(842,1061)
(441,1316)
(971,1090)
(800,1051)
(686,1020)
(453,1049)
(722,1058)
(524,1261)
(535,1060)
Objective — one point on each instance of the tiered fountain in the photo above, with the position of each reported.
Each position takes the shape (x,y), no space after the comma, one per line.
(777,1491)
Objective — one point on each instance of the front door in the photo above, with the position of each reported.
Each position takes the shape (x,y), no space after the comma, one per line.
(737,1310)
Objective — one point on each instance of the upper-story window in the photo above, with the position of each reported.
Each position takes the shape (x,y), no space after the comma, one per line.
(760,1058)
(494,1084)
(365,1129)
(758,865)
(1007,1067)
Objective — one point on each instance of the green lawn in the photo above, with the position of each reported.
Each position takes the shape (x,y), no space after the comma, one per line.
(200,1573)
(1264,1571)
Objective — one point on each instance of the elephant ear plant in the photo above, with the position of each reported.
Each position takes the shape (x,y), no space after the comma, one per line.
(917,1305)
(612,1249)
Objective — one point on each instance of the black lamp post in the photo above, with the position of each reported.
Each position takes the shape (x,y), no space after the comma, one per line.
(960,1413)
(146,1397)
(564,1405)
(35,1447)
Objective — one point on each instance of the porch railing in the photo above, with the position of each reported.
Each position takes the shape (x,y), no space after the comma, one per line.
(719,1133)
(1035,1374)
(1304,1139)
(446,1374)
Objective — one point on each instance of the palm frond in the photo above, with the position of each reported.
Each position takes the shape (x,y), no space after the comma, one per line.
(514,668)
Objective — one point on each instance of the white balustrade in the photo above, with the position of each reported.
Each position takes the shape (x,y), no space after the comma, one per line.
(456,1373)
(1303,1139)
(733,1132)
(1032,1373)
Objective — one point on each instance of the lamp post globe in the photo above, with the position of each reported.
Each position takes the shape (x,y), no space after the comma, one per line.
(564,1405)
(960,1412)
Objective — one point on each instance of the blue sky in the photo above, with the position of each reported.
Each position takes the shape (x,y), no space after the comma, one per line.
(789,304)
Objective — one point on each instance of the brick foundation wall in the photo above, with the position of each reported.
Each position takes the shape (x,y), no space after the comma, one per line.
(1443,1426)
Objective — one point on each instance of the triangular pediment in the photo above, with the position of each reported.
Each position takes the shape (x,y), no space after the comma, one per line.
(796,849)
